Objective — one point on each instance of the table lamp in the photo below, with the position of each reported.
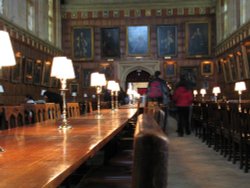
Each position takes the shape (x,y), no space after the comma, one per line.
(195,92)
(74,94)
(98,80)
(240,86)
(116,90)
(111,87)
(62,68)
(7,57)
(203,92)
(216,91)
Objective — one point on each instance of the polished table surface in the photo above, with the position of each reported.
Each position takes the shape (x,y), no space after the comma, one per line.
(43,156)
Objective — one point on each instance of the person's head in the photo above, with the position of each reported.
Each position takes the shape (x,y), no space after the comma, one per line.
(157,74)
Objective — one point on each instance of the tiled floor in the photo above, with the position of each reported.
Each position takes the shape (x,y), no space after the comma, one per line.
(193,165)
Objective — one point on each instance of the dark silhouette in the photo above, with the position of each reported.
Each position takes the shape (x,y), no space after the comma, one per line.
(54,98)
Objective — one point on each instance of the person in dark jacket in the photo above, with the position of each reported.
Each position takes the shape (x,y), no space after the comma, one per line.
(183,98)
(54,98)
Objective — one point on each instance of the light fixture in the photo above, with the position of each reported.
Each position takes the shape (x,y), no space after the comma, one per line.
(1,89)
(98,80)
(7,57)
(111,87)
(195,92)
(216,91)
(62,68)
(74,94)
(203,92)
(42,92)
(240,86)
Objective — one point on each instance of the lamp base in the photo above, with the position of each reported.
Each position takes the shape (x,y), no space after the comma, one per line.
(98,116)
(1,150)
(65,126)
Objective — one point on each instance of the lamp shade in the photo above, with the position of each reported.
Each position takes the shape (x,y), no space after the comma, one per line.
(240,86)
(97,79)
(73,94)
(7,57)
(1,89)
(117,87)
(216,90)
(111,85)
(203,91)
(42,92)
(62,68)
(195,92)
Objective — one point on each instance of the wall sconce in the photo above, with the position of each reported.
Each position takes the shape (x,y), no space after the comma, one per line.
(216,91)
(240,86)
(98,80)
(7,57)
(203,92)
(62,68)
(111,87)
(195,92)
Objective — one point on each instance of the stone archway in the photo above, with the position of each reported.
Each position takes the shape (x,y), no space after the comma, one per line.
(126,67)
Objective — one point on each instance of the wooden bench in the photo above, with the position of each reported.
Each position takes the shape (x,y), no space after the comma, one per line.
(150,161)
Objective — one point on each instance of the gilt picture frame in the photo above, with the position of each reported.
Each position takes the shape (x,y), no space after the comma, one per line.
(83,43)
(138,43)
(207,68)
(17,70)
(167,40)
(170,69)
(28,71)
(110,42)
(198,39)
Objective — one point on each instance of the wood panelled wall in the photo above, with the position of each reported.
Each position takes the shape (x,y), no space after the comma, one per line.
(71,20)
(19,81)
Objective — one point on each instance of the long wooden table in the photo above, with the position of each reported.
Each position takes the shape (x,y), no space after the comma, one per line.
(43,156)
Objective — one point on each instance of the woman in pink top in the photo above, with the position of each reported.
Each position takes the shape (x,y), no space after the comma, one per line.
(183,98)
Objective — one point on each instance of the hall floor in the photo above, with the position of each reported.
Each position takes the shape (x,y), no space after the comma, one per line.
(192,164)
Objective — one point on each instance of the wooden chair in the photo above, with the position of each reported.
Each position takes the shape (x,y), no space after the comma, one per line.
(73,109)
(50,109)
(14,116)
(29,111)
(40,112)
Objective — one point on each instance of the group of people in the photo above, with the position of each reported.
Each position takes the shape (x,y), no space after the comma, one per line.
(181,97)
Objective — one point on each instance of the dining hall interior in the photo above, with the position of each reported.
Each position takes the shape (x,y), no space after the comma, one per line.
(74,78)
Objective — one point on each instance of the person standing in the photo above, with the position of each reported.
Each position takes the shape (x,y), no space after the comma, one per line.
(183,98)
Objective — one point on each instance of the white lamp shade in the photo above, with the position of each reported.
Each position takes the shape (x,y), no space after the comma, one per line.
(195,92)
(240,86)
(1,89)
(216,90)
(74,94)
(117,87)
(203,91)
(97,79)
(111,85)
(62,68)
(7,57)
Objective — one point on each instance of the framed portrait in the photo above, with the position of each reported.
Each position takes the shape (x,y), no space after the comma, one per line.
(233,67)
(83,43)
(73,87)
(110,42)
(86,77)
(190,73)
(107,69)
(198,43)
(167,40)
(138,40)
(17,70)
(170,69)
(207,68)
(38,70)
(77,69)
(46,73)
(28,71)
(226,71)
